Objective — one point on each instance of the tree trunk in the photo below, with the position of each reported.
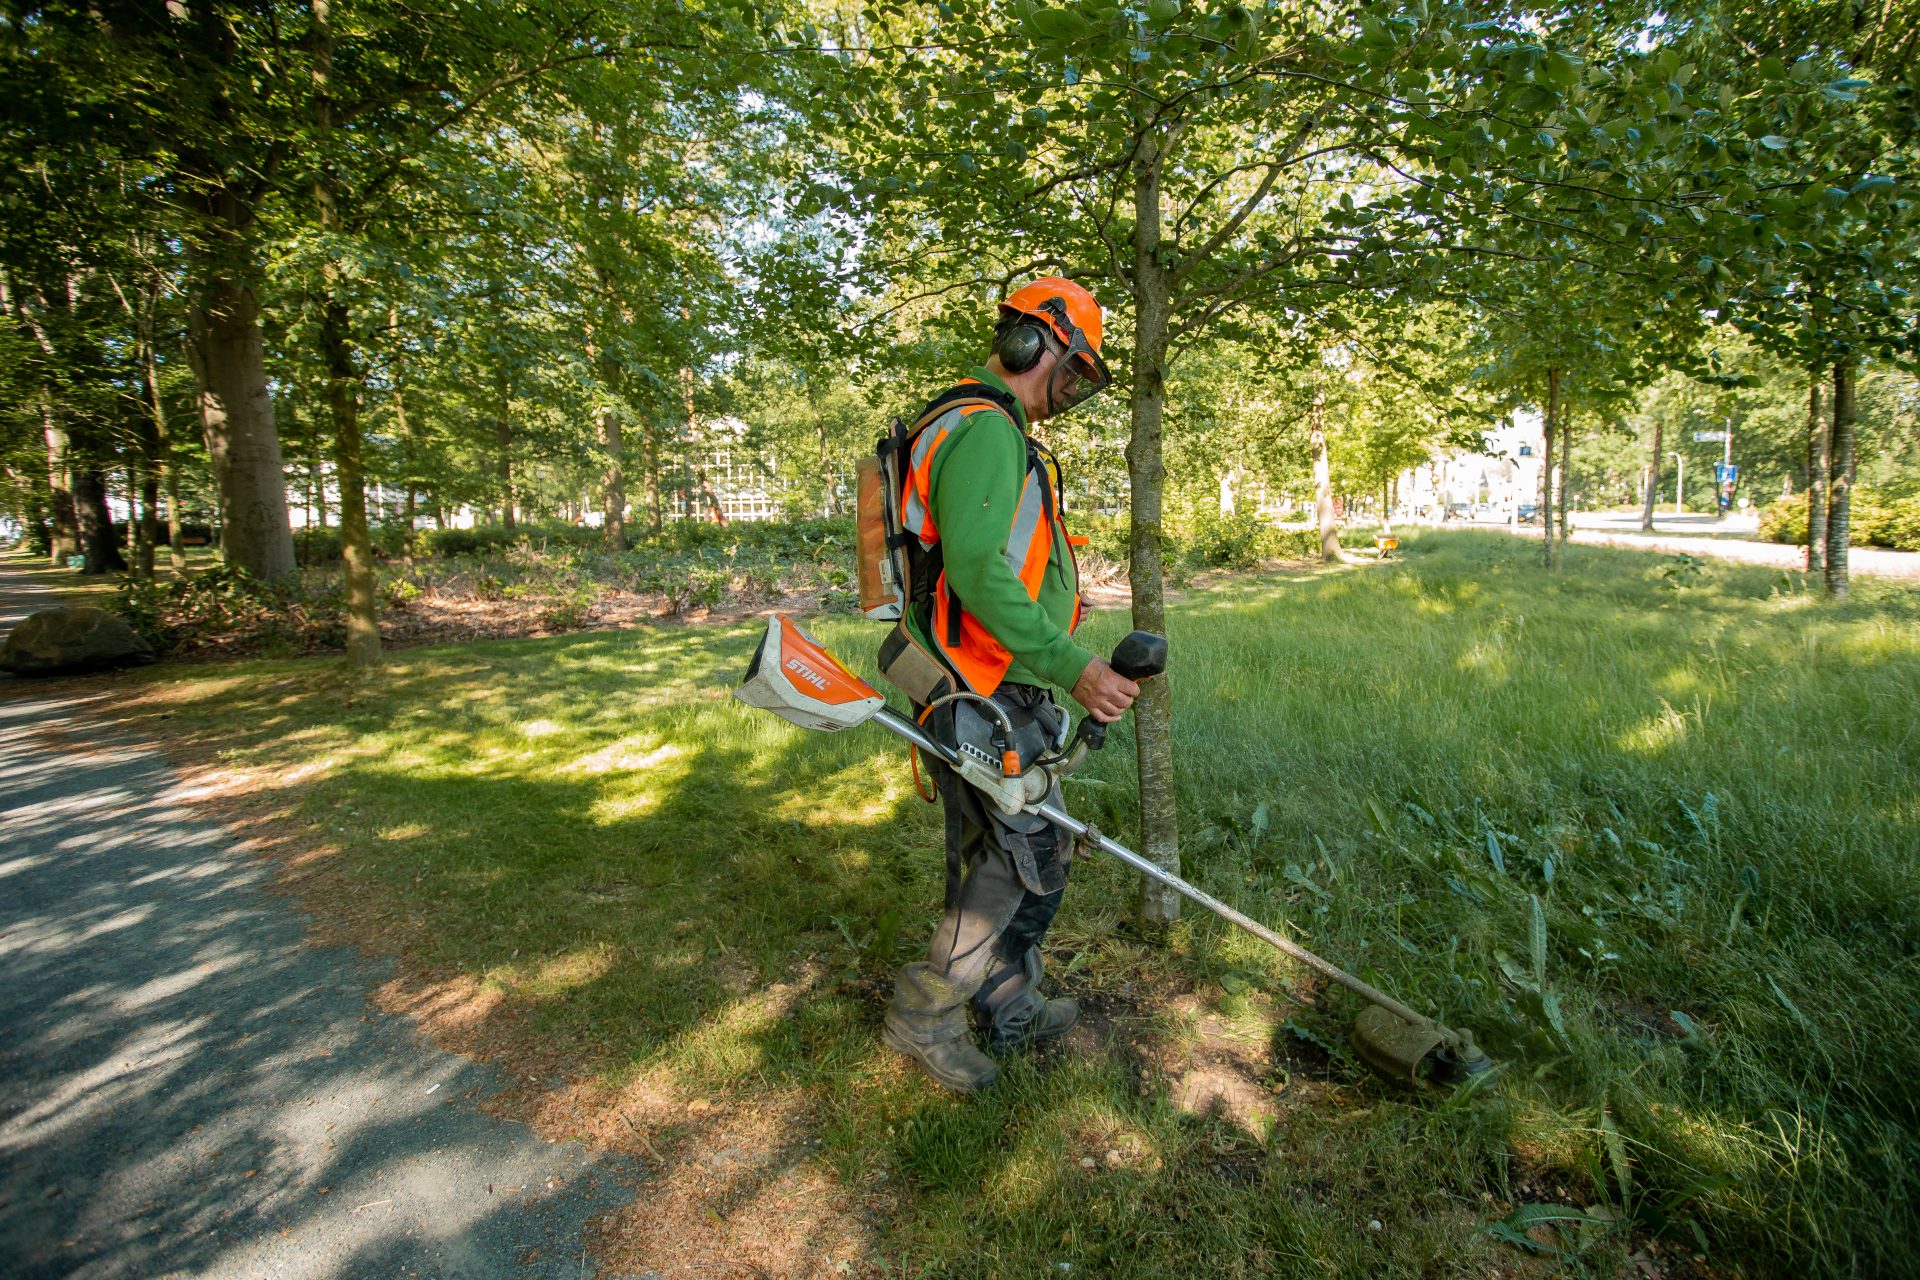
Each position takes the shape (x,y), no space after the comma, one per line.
(1548,475)
(411,511)
(152,430)
(236,416)
(149,517)
(97,543)
(356,542)
(1819,445)
(343,376)
(1146,475)
(64,519)
(1840,484)
(1566,476)
(1653,477)
(826,456)
(1330,548)
(176,545)
(652,450)
(613,491)
(503,441)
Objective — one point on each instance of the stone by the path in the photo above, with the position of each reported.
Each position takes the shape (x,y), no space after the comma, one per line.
(71,639)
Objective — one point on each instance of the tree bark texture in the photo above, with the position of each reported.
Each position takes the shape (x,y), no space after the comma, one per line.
(236,416)
(1146,476)
(1840,483)
(1819,464)
(1549,477)
(97,542)
(62,519)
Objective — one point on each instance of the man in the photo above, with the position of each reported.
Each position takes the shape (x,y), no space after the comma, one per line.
(983,499)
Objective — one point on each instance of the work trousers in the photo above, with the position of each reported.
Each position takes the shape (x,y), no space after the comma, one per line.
(1006,874)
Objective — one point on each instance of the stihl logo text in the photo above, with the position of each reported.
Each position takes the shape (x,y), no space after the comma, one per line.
(807,673)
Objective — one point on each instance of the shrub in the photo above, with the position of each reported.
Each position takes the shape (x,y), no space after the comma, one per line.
(1874,521)
(1107,536)
(316,546)
(1225,542)
(1785,521)
(1891,522)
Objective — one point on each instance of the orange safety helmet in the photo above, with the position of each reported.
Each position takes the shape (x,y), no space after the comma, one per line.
(1071,315)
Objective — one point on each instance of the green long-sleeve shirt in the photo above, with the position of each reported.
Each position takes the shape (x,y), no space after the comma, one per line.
(977,477)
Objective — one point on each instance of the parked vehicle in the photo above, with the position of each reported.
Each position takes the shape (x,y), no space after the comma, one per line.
(1527,513)
(1457,511)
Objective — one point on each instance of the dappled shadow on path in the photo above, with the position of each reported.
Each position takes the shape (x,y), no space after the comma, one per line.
(192,1090)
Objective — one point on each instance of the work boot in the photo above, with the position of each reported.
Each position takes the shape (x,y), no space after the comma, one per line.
(928,1022)
(1017,1015)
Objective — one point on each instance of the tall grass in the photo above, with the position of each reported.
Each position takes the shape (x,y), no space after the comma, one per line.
(1649,826)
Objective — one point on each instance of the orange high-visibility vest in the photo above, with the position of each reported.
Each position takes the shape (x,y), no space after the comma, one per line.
(972,652)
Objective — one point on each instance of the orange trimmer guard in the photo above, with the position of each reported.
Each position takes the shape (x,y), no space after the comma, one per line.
(793,676)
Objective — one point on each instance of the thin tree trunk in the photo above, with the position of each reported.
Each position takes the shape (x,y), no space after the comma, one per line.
(503,442)
(1146,474)
(1330,549)
(1840,486)
(1548,475)
(1653,477)
(176,540)
(1566,476)
(343,378)
(153,445)
(149,517)
(826,461)
(1819,465)
(652,462)
(613,490)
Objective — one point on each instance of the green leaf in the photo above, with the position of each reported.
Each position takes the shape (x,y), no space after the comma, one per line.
(1262,819)
(1379,817)
(1493,852)
(1616,1145)
(1560,71)
(1056,24)
(1774,142)
(1537,940)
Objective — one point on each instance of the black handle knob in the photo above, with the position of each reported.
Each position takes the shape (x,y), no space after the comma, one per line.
(1139,656)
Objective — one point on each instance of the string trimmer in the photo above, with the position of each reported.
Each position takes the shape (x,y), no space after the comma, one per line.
(793,676)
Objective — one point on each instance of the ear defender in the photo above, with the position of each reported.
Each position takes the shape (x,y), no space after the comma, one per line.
(1019,346)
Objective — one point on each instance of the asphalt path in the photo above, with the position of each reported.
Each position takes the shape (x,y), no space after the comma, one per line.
(192,1090)
(1702,535)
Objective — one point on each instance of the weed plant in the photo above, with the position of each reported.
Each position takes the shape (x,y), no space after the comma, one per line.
(1653,835)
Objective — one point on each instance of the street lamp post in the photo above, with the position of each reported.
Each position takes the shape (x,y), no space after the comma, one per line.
(1679,484)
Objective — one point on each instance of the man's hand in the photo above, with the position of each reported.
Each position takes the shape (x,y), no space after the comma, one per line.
(1104,692)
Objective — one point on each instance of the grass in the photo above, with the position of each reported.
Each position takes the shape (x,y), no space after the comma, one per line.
(1650,826)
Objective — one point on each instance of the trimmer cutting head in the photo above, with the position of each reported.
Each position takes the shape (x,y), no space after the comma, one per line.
(793,676)
(1416,1053)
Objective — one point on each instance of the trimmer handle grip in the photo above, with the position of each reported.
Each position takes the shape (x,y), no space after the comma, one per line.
(1140,655)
